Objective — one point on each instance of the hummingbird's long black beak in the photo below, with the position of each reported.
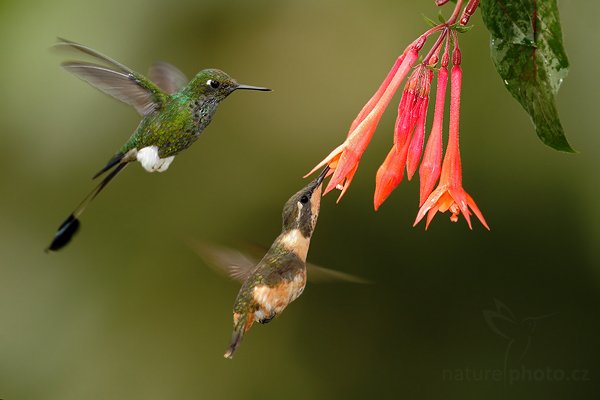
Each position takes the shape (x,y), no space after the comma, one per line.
(321,176)
(248,87)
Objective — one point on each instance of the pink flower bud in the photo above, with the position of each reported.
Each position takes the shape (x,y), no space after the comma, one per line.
(416,143)
(389,175)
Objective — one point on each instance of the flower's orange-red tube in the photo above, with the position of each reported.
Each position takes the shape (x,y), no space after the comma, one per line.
(416,143)
(430,169)
(375,98)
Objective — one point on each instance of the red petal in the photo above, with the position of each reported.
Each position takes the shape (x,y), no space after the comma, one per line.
(389,175)
(356,145)
(430,214)
(431,201)
(347,183)
(329,159)
(460,198)
(476,211)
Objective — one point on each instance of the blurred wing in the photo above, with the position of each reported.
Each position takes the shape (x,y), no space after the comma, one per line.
(315,273)
(235,264)
(318,274)
(239,265)
(167,77)
(115,79)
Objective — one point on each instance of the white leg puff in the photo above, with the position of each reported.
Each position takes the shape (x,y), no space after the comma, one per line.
(151,162)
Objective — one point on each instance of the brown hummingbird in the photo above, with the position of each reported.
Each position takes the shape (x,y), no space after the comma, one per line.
(280,276)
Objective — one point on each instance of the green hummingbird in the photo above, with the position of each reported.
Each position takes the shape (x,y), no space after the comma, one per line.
(174,111)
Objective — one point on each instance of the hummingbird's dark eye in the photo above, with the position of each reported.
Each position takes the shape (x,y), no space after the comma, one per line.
(304,199)
(213,84)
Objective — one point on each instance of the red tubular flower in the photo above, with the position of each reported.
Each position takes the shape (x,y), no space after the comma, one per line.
(450,195)
(430,169)
(345,158)
(412,113)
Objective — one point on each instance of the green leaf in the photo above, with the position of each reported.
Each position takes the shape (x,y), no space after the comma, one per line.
(461,28)
(441,17)
(527,50)
(429,21)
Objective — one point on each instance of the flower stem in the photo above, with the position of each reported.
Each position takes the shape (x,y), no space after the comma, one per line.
(455,13)
(435,46)
(445,27)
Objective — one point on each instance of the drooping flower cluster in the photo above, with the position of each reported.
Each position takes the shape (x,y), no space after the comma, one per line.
(344,159)
(409,132)
(449,195)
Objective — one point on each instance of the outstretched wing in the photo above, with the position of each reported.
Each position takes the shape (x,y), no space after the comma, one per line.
(115,79)
(167,77)
(119,85)
(239,265)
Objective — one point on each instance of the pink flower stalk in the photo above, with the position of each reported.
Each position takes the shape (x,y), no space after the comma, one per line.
(411,106)
(431,165)
(450,195)
(344,159)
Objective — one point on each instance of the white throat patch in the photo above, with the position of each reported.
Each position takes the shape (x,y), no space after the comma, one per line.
(151,162)
(295,241)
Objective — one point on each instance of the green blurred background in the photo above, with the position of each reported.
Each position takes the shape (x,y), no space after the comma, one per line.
(128,311)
